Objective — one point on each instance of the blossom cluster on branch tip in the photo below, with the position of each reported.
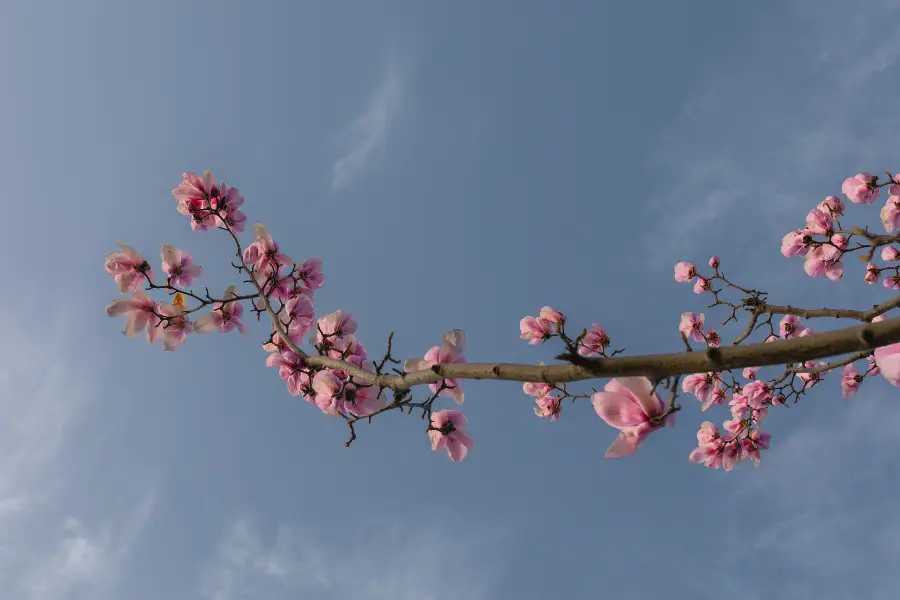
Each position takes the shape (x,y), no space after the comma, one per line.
(341,380)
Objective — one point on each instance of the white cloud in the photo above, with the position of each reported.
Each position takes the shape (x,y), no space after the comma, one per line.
(364,140)
(369,563)
(48,378)
(750,143)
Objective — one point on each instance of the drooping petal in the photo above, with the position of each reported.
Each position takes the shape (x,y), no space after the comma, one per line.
(456,450)
(624,445)
(122,306)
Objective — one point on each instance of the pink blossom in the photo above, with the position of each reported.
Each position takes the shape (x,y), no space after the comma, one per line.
(888,360)
(750,372)
(790,326)
(298,317)
(795,243)
(552,315)
(128,268)
(713,451)
(824,261)
(449,352)
(890,254)
(193,195)
(263,255)
(873,367)
(173,330)
(535,330)
(811,379)
(629,405)
(839,241)
(872,273)
(890,214)
(832,205)
(892,282)
(702,385)
(548,407)
(861,189)
(335,396)
(292,371)
(447,432)
(701,285)
(714,262)
(334,325)
(225,316)
(685,271)
(227,202)
(819,222)
(537,389)
(755,441)
(712,338)
(594,342)
(692,326)
(757,394)
(140,310)
(275,345)
(310,274)
(850,381)
(179,266)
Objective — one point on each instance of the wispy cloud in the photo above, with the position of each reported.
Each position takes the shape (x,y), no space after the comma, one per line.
(751,143)
(48,550)
(371,563)
(363,142)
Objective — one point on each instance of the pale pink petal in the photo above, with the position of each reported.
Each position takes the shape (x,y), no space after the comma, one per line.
(456,450)
(438,440)
(642,388)
(122,306)
(624,445)
(617,409)
(207,323)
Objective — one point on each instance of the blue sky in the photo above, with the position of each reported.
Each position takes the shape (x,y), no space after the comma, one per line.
(455,165)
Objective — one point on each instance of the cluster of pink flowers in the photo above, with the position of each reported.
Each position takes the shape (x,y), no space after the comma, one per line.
(631,405)
(281,280)
(208,204)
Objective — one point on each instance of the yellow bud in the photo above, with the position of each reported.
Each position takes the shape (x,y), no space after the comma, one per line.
(179,301)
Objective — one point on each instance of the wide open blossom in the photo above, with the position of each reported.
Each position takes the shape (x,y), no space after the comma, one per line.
(175,329)
(447,432)
(298,317)
(128,268)
(293,372)
(449,352)
(225,316)
(629,405)
(193,195)
(334,325)
(691,325)
(139,309)
(179,266)
(262,255)
(548,406)
(703,385)
(335,395)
